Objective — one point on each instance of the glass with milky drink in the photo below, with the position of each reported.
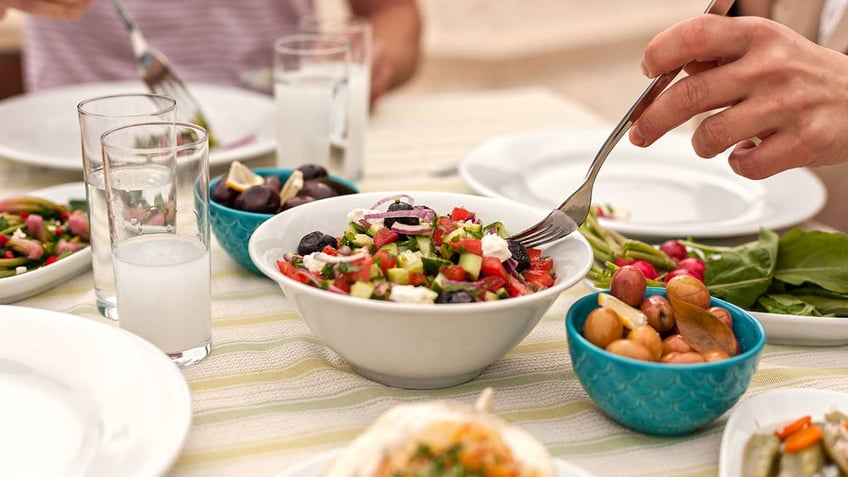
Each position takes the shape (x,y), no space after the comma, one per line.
(310,89)
(356,32)
(157,190)
(96,116)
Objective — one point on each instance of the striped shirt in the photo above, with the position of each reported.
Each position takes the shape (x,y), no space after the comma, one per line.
(207,41)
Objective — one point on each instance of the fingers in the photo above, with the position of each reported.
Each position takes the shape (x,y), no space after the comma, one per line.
(773,155)
(706,91)
(702,38)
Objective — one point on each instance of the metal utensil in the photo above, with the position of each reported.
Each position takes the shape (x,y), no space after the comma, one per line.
(573,212)
(157,74)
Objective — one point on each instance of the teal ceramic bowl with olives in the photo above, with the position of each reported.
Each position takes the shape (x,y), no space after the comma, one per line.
(232,227)
(661,398)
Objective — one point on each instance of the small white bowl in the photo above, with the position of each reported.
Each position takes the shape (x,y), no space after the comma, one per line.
(411,345)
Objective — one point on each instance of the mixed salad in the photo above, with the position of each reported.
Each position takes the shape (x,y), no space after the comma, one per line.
(399,251)
(35,232)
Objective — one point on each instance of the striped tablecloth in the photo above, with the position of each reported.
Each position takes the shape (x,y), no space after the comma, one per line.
(270,394)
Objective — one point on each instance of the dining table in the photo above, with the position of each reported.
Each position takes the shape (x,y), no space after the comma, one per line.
(270,394)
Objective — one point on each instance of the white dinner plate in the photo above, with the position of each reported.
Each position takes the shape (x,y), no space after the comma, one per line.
(667,190)
(18,287)
(42,128)
(316,465)
(803,330)
(83,398)
(761,412)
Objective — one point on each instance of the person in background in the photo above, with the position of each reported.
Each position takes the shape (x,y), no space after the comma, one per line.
(778,92)
(210,41)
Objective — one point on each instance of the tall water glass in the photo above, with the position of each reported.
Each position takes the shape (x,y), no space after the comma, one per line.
(310,88)
(356,31)
(96,116)
(157,190)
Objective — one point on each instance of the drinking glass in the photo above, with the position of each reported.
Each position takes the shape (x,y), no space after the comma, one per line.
(96,116)
(356,31)
(157,191)
(311,73)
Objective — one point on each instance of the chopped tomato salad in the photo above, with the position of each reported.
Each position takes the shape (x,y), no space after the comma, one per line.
(399,251)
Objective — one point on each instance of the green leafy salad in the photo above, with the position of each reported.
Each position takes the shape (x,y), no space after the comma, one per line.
(799,273)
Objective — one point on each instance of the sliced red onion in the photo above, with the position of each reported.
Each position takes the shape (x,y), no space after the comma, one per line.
(397,214)
(327,258)
(479,285)
(411,229)
(391,198)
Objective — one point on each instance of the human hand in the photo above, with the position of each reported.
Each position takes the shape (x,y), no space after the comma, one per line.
(58,9)
(783,99)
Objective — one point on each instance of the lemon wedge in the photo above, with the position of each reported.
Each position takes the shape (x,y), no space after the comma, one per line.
(240,177)
(292,185)
(630,317)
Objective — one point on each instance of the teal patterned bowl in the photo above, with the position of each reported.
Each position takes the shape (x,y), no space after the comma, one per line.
(232,227)
(658,398)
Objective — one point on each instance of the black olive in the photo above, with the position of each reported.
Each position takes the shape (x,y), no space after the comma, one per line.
(455,296)
(520,255)
(401,220)
(274,182)
(262,199)
(318,190)
(296,200)
(315,242)
(224,194)
(312,171)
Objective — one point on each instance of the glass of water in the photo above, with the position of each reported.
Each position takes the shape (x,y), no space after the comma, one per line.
(356,32)
(311,74)
(157,191)
(96,116)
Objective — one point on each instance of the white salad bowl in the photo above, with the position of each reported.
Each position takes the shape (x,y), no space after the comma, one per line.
(417,346)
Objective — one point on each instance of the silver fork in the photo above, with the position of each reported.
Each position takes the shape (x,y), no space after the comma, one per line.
(566,218)
(157,74)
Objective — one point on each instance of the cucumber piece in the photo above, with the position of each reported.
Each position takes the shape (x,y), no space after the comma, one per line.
(437,285)
(361,289)
(373,229)
(471,263)
(432,264)
(411,261)
(391,247)
(362,240)
(425,246)
(398,275)
(456,234)
(473,230)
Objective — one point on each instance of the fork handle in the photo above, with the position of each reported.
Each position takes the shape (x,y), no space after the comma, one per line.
(124,15)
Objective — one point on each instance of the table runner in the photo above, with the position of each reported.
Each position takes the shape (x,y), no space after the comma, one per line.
(270,394)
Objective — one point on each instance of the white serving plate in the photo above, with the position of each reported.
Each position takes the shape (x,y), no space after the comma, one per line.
(42,128)
(18,287)
(316,465)
(767,409)
(668,191)
(84,398)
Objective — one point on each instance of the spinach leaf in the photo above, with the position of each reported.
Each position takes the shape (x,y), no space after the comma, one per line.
(743,273)
(786,304)
(816,257)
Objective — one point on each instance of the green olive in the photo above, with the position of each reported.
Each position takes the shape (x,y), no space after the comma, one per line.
(602,327)
(689,289)
(630,349)
(649,338)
